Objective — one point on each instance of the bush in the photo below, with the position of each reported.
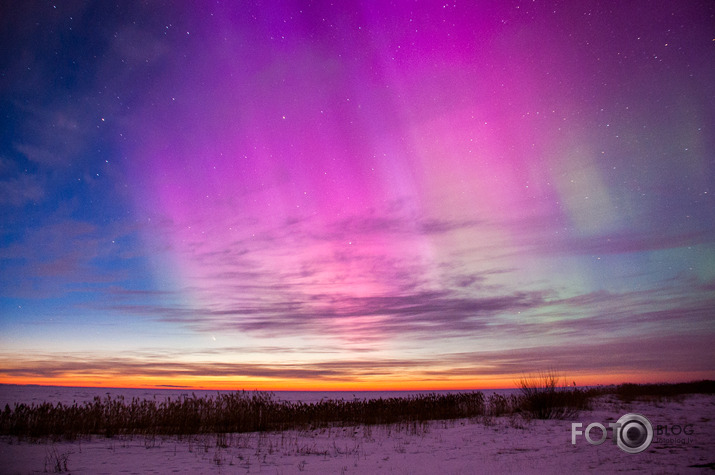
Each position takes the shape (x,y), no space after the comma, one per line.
(543,398)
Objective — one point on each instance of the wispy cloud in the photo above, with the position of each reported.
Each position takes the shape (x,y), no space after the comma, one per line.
(60,256)
(662,354)
(19,190)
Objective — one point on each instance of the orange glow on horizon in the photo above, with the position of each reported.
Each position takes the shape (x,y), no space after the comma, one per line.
(506,381)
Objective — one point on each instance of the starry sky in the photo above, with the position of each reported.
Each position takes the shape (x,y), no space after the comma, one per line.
(356,195)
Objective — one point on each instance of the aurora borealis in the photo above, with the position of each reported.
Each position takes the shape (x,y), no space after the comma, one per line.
(356,195)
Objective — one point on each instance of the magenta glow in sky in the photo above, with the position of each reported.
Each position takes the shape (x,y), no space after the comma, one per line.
(431,194)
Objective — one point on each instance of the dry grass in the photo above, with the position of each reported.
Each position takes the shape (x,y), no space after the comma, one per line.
(541,397)
(226,413)
(662,391)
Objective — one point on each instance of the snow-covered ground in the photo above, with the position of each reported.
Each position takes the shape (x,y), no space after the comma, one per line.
(482,445)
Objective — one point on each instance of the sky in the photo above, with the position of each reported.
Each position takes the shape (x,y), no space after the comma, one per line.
(315,195)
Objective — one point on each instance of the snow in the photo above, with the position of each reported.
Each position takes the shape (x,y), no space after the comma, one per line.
(481,445)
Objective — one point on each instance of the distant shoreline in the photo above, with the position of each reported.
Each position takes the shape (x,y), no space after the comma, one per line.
(15,393)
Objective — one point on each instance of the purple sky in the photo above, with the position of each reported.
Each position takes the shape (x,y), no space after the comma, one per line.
(300,194)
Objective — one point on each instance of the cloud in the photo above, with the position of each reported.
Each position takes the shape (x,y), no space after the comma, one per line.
(393,222)
(59,256)
(627,242)
(548,233)
(21,190)
(652,355)
(370,318)
(247,292)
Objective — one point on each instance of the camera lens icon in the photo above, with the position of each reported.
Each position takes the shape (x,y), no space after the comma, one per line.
(634,433)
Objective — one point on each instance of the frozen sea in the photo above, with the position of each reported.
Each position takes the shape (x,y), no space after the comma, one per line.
(31,394)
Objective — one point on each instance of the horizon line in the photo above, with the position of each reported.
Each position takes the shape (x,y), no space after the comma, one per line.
(190,388)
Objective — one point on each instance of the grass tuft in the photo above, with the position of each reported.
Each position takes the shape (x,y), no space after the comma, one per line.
(543,398)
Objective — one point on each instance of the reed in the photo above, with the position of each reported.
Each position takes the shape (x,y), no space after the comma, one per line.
(541,397)
(663,391)
(225,413)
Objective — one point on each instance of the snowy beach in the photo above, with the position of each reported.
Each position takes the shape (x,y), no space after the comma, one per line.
(682,442)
